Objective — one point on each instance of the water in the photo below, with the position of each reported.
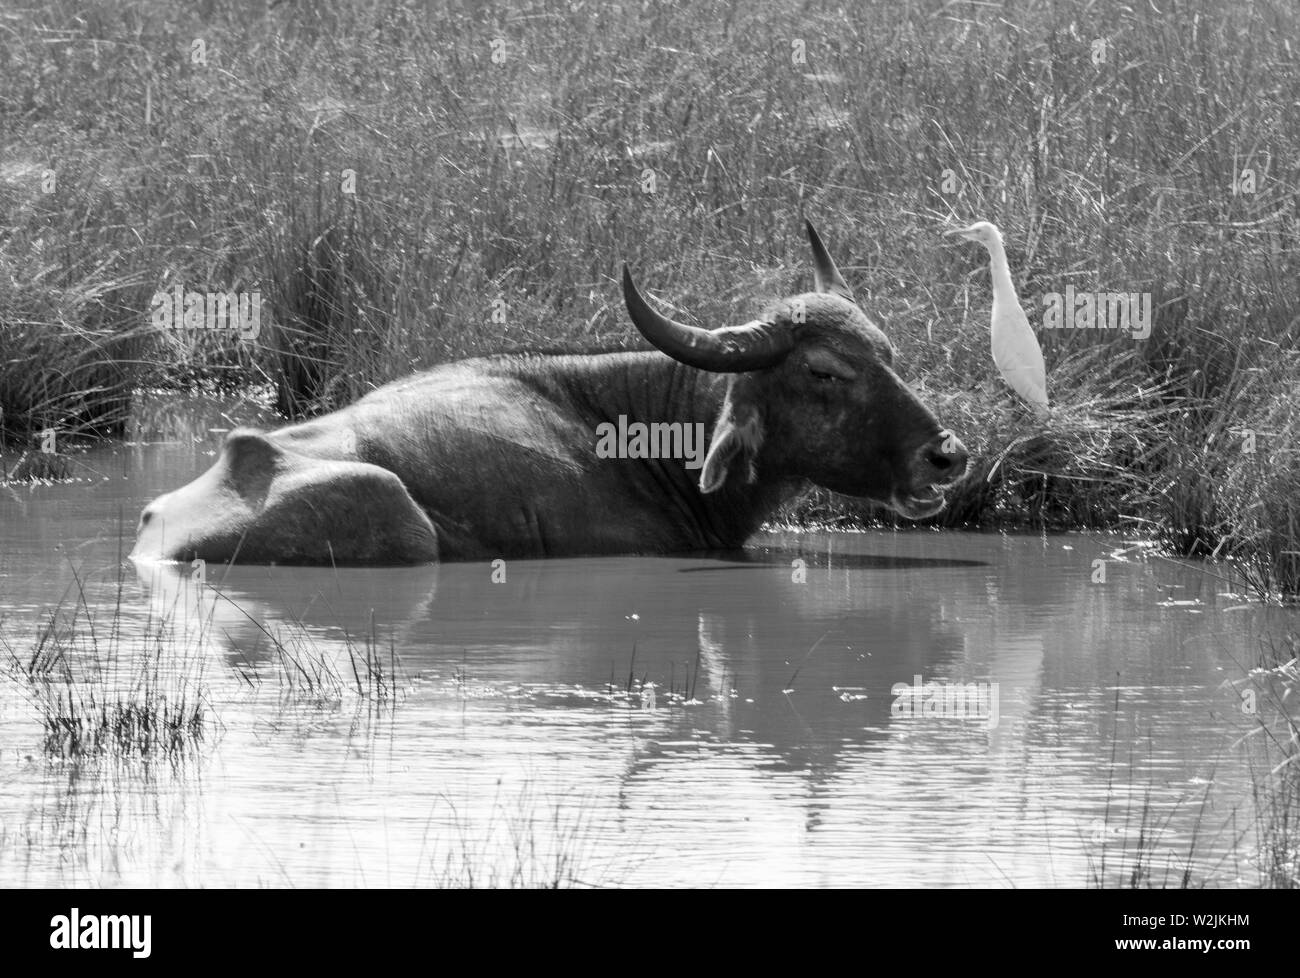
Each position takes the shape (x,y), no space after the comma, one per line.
(507,732)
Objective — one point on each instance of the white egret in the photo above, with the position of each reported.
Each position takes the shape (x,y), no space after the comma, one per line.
(1015,347)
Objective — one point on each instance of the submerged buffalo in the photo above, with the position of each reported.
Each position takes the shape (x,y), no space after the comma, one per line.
(510,456)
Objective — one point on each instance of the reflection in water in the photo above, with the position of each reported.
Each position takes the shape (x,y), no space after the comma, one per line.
(520,745)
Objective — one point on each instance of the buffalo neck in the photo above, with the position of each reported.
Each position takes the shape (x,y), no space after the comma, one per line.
(651,387)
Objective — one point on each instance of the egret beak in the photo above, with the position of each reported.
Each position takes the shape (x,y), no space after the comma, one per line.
(964,232)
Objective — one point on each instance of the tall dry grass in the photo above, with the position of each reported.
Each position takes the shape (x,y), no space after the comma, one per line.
(517,188)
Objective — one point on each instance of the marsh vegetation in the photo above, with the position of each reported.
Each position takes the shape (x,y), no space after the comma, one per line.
(407,183)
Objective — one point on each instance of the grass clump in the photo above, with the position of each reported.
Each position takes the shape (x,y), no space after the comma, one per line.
(102,696)
(1130,848)
(304,671)
(525,841)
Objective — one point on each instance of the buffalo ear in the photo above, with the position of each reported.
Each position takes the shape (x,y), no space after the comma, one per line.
(736,440)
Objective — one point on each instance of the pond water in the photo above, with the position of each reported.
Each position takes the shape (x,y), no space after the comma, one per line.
(729,719)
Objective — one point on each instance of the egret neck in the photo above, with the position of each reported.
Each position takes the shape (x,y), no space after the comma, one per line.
(1004,290)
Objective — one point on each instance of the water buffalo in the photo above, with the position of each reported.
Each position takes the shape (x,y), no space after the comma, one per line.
(501,456)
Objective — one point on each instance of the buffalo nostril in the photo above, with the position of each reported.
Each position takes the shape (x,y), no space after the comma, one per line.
(947,457)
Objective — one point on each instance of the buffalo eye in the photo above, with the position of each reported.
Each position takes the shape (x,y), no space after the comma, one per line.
(826,368)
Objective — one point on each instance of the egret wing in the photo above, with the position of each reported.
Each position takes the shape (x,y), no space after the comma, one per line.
(1018,356)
